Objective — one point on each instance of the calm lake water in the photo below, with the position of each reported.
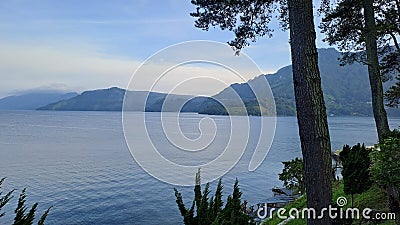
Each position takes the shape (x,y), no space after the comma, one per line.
(78,162)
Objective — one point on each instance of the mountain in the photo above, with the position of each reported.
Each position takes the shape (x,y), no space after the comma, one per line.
(33,100)
(105,100)
(111,99)
(346,88)
(346,92)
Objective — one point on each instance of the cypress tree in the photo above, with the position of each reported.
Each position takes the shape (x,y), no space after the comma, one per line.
(4,199)
(210,210)
(356,175)
(21,217)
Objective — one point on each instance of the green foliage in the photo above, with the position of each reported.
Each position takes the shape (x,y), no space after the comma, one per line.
(247,19)
(44,216)
(285,106)
(344,26)
(213,107)
(385,168)
(346,88)
(188,214)
(232,214)
(216,202)
(393,134)
(392,96)
(22,217)
(356,163)
(293,175)
(299,203)
(20,212)
(210,210)
(4,199)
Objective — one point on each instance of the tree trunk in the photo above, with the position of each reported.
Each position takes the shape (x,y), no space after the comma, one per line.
(375,81)
(311,111)
(352,200)
(373,70)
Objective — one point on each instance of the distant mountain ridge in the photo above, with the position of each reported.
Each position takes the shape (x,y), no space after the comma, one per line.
(346,92)
(102,100)
(33,100)
(111,99)
(346,88)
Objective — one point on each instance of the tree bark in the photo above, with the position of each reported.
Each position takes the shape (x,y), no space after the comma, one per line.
(373,70)
(375,81)
(311,111)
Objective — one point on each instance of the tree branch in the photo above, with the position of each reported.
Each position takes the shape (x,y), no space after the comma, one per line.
(395,41)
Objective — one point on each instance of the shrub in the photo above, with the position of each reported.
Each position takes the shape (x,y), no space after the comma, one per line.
(356,174)
(385,168)
(211,211)
(21,216)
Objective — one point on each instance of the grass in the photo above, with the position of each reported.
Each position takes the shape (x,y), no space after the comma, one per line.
(374,198)
(298,204)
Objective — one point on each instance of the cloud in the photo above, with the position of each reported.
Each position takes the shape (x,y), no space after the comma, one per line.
(26,67)
(194,67)
(50,88)
(79,68)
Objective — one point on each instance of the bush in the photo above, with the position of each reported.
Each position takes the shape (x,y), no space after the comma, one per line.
(211,211)
(356,174)
(21,216)
(385,168)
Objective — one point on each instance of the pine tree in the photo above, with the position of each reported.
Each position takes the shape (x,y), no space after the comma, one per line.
(249,20)
(365,30)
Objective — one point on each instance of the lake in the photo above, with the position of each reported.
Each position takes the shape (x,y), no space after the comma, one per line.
(79,163)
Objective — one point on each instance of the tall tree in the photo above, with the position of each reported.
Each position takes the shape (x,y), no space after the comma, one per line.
(249,20)
(357,26)
(375,81)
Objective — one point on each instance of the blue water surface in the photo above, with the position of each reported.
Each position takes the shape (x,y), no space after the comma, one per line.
(79,163)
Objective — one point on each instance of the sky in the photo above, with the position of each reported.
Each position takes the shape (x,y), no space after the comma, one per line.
(83,45)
